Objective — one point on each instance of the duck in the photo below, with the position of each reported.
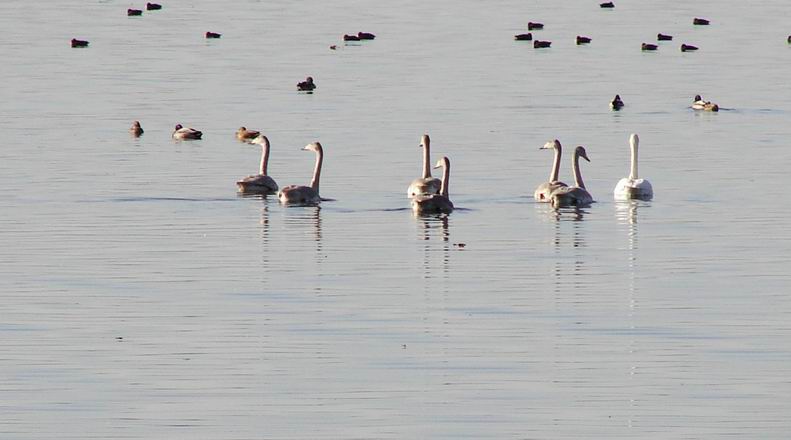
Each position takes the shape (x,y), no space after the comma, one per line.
(351,38)
(260,183)
(647,46)
(333,47)
(789,39)
(307,85)
(213,35)
(531,26)
(436,203)
(576,195)
(134,12)
(153,6)
(607,5)
(616,103)
(699,104)
(136,129)
(523,37)
(186,134)
(538,44)
(305,195)
(663,37)
(245,135)
(582,40)
(79,43)
(633,187)
(542,192)
(688,48)
(425,184)
(365,36)
(700,21)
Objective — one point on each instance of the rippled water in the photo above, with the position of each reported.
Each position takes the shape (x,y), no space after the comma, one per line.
(142,298)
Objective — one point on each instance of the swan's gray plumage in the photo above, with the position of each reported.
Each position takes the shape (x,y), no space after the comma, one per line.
(260,183)
(305,195)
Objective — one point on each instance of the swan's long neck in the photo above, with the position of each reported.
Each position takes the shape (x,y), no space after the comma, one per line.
(317,171)
(553,175)
(633,173)
(426,159)
(577,174)
(445,178)
(264,157)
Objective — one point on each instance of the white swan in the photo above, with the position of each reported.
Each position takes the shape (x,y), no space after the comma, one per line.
(260,183)
(632,187)
(184,133)
(305,195)
(575,195)
(425,184)
(435,203)
(542,192)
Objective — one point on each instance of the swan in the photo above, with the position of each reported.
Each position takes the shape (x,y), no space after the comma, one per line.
(542,192)
(436,203)
(575,195)
(184,133)
(305,195)
(633,187)
(245,135)
(136,129)
(260,183)
(616,103)
(425,184)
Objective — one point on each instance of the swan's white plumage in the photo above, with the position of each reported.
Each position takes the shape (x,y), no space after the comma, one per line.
(633,187)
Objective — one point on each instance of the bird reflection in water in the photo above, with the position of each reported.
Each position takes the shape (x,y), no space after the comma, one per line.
(299,217)
(434,228)
(566,218)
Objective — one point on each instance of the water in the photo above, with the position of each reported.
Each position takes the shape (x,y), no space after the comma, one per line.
(142,298)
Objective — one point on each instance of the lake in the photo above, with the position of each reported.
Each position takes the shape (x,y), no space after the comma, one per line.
(143,298)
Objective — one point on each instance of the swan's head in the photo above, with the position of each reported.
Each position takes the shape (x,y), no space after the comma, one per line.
(550,145)
(634,139)
(313,146)
(698,98)
(442,163)
(179,127)
(580,151)
(425,141)
(261,140)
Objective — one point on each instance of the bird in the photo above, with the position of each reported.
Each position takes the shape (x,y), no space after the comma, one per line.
(425,184)
(260,183)
(351,38)
(436,203)
(531,26)
(523,37)
(153,6)
(647,46)
(700,22)
(245,135)
(307,85)
(333,47)
(186,134)
(663,37)
(699,104)
(576,195)
(365,36)
(607,5)
(538,44)
(633,187)
(543,191)
(305,195)
(616,103)
(213,35)
(688,48)
(136,129)
(789,39)
(583,40)
(134,12)
(79,43)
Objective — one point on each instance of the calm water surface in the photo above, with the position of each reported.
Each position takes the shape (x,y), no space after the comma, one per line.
(143,299)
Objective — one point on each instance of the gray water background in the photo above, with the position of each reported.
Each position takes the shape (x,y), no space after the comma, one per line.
(243,319)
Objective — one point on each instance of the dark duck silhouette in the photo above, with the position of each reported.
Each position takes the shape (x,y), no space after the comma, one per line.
(307,85)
